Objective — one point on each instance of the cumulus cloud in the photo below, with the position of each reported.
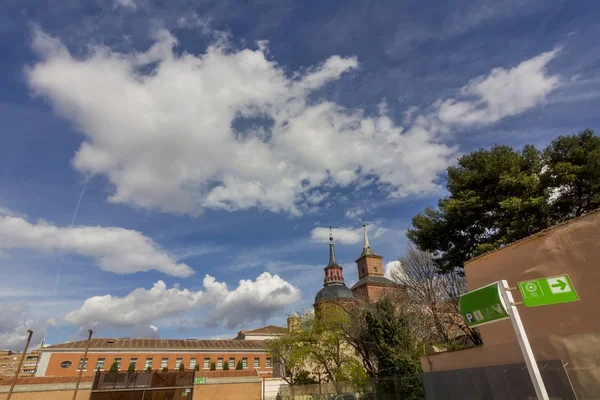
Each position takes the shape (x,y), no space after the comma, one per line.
(118,250)
(15,320)
(502,93)
(346,235)
(354,213)
(391,268)
(176,132)
(251,301)
(127,3)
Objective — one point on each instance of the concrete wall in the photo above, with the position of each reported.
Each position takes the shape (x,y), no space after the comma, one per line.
(228,391)
(570,332)
(48,395)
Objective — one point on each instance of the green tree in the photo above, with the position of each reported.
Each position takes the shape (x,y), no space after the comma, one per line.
(572,174)
(165,369)
(225,366)
(304,377)
(182,366)
(495,198)
(213,366)
(149,369)
(114,367)
(131,368)
(197,367)
(239,365)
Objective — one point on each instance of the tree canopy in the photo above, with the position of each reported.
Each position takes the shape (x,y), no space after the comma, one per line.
(501,195)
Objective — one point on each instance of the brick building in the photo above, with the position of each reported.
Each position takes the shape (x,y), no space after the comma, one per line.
(9,362)
(66,359)
(371,285)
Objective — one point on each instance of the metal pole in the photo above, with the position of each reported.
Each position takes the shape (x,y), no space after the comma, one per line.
(87,347)
(12,386)
(532,367)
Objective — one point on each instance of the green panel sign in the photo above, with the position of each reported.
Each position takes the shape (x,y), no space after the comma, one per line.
(200,380)
(482,306)
(548,291)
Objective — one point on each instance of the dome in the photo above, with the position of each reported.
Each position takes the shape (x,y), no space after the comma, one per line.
(334,292)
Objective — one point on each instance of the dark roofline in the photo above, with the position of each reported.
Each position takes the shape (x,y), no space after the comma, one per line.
(102,344)
(534,236)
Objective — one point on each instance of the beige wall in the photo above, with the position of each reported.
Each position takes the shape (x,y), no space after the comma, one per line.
(570,332)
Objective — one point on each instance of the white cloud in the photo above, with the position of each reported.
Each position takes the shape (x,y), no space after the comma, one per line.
(165,140)
(153,327)
(502,93)
(127,3)
(251,301)
(15,320)
(392,266)
(10,213)
(114,249)
(169,139)
(346,235)
(354,213)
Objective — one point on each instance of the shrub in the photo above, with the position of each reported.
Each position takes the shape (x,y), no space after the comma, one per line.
(149,369)
(165,369)
(226,366)
(182,366)
(131,368)
(197,367)
(213,366)
(114,367)
(239,365)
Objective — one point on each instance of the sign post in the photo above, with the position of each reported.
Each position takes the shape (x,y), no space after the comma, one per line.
(548,291)
(532,367)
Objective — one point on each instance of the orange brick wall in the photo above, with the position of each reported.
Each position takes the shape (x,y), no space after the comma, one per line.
(228,391)
(369,265)
(48,395)
(54,368)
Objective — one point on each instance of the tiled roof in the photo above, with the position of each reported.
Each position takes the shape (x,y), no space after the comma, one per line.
(44,380)
(267,330)
(162,344)
(374,280)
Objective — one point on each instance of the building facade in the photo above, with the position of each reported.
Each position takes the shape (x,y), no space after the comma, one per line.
(9,362)
(66,359)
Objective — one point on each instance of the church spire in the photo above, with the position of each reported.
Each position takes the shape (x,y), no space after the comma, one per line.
(332,262)
(366,246)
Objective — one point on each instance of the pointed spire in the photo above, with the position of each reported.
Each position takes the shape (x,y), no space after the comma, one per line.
(366,246)
(332,261)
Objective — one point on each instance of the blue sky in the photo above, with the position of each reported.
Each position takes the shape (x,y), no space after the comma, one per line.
(222,138)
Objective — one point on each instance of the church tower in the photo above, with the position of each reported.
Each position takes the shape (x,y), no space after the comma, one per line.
(335,293)
(371,280)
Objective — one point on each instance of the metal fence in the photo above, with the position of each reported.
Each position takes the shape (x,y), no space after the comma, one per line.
(506,382)
(374,389)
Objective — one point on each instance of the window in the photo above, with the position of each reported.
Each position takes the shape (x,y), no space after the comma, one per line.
(148,363)
(206,363)
(100,364)
(66,364)
(134,362)
(375,268)
(178,362)
(245,362)
(220,362)
(231,362)
(164,363)
(268,362)
(118,361)
(192,362)
(256,362)
(14,358)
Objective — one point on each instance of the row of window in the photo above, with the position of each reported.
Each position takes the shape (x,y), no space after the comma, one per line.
(100,364)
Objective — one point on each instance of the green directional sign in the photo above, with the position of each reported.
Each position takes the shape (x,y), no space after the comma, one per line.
(548,291)
(199,380)
(482,306)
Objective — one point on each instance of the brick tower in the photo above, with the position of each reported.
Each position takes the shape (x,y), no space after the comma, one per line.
(371,280)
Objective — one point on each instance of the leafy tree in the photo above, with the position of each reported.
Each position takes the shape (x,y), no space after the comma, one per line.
(182,366)
(239,366)
(213,366)
(131,368)
(495,198)
(149,369)
(114,367)
(305,378)
(225,366)
(501,195)
(572,174)
(165,369)
(197,367)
